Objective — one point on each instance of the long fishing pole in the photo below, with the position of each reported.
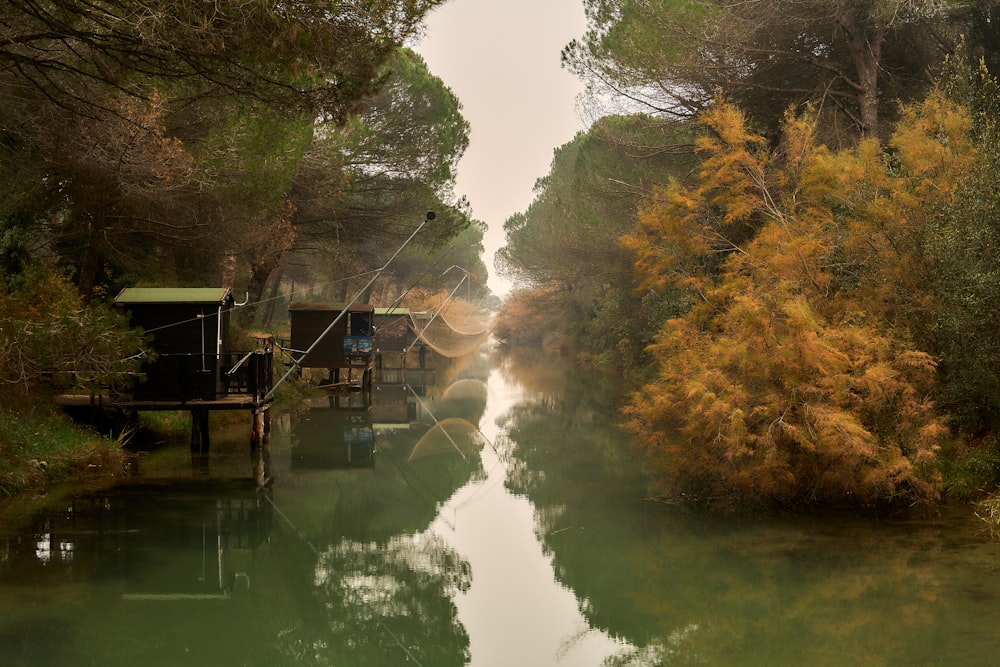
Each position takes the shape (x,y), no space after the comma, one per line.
(270,394)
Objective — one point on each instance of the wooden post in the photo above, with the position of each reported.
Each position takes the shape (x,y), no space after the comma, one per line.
(199,432)
(199,438)
(260,445)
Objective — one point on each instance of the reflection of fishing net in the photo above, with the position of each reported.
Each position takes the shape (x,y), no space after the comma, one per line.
(449,342)
(452,436)
(465,390)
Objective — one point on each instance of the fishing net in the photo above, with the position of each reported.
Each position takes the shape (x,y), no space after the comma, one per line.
(468,324)
(447,342)
(466,390)
(454,335)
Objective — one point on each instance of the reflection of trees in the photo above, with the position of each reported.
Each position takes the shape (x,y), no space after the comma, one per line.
(687,589)
(543,375)
(532,369)
(330,566)
(378,589)
(384,604)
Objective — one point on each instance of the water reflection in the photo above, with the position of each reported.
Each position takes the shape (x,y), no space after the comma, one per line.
(496,518)
(334,432)
(211,528)
(679,588)
(331,563)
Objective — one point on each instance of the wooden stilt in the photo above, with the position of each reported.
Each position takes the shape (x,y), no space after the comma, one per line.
(260,445)
(199,438)
(199,432)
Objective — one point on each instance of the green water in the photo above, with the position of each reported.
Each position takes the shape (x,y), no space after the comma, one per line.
(497,519)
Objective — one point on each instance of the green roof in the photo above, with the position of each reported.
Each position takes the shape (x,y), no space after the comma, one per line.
(199,295)
(332,307)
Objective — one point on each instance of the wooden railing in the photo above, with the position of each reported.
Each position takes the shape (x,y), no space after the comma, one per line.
(250,374)
(186,377)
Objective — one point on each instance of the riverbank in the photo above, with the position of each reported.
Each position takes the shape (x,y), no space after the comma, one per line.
(40,446)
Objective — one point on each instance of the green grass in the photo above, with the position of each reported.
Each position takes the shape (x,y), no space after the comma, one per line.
(166,422)
(40,446)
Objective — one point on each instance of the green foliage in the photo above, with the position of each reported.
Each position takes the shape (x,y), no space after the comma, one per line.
(311,56)
(49,338)
(964,247)
(569,235)
(41,445)
(854,60)
(968,472)
(400,155)
(568,241)
(397,159)
(199,153)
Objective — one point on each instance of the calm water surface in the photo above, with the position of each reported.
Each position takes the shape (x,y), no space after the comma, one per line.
(495,518)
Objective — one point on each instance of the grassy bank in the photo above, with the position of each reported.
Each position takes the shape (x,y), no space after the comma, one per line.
(41,446)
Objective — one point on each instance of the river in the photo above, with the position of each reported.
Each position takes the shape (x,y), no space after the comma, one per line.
(492,517)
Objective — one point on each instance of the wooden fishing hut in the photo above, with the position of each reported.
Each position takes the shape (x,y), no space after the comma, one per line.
(349,345)
(194,366)
(190,331)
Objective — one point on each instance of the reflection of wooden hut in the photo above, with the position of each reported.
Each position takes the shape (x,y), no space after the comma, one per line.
(392,406)
(207,530)
(332,434)
(348,345)
(393,334)
(190,329)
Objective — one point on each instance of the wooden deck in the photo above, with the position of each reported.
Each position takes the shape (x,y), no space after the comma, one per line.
(232,402)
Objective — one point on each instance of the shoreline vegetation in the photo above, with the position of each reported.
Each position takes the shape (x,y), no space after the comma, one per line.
(42,449)
(44,452)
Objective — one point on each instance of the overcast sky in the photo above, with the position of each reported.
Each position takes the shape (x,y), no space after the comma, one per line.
(501,59)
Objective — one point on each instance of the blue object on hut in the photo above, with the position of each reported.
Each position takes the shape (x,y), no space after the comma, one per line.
(349,344)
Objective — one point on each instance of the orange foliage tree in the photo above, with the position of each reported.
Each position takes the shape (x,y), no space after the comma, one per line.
(796,378)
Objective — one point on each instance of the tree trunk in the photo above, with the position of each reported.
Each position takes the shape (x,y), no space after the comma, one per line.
(259,273)
(268,312)
(866,51)
(93,257)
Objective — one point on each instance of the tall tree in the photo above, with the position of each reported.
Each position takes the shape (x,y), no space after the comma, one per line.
(568,236)
(116,177)
(312,55)
(796,378)
(852,59)
(568,239)
(231,90)
(398,159)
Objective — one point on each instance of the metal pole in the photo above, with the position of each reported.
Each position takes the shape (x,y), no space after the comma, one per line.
(269,395)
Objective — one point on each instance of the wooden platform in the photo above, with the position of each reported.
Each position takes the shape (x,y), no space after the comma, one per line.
(233,402)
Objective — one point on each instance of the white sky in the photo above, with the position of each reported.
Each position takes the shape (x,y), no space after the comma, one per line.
(501,59)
